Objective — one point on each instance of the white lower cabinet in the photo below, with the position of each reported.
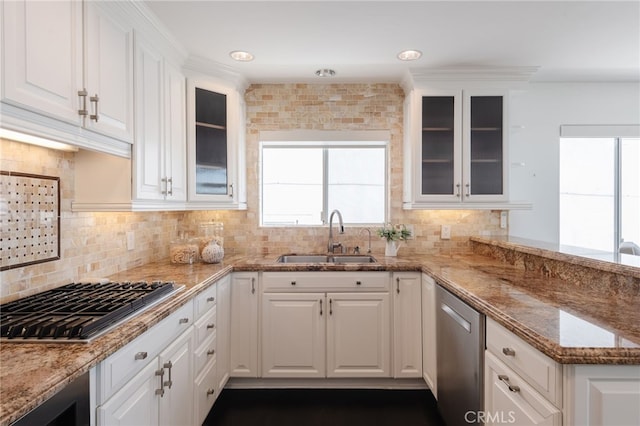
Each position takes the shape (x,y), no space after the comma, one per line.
(293,334)
(522,385)
(358,335)
(244,325)
(429,360)
(308,332)
(510,399)
(602,395)
(407,324)
(160,394)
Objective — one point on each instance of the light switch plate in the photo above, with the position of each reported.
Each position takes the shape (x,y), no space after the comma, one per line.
(131,242)
(445,232)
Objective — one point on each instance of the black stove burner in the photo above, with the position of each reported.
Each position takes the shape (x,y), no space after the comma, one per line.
(77,311)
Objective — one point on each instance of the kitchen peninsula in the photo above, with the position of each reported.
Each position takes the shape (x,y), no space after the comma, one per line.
(563,320)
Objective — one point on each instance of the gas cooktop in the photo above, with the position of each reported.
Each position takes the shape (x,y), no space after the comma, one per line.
(78,312)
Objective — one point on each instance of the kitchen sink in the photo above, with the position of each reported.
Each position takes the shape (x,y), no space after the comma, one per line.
(303,258)
(353,258)
(321,258)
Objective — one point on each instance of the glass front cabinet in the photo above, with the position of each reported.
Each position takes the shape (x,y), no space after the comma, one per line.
(455,149)
(215,138)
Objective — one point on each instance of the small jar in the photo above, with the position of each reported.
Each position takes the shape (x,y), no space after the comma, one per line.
(184,250)
(211,232)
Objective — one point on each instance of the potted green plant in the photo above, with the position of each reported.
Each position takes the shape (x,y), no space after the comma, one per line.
(392,234)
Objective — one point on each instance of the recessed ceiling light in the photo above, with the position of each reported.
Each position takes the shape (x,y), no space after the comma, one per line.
(409,55)
(325,72)
(242,56)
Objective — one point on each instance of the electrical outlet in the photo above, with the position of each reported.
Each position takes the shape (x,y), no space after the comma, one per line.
(445,232)
(503,219)
(131,242)
(410,229)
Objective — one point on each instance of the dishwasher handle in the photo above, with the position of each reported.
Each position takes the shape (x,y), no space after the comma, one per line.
(456,317)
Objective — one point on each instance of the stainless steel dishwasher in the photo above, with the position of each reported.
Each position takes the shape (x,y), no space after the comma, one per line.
(460,359)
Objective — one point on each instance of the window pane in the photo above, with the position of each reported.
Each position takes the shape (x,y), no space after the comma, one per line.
(296,179)
(630,190)
(587,193)
(356,180)
(291,186)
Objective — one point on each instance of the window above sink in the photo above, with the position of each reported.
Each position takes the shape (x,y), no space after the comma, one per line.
(307,174)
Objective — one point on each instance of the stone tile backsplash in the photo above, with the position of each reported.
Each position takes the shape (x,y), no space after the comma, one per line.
(94,244)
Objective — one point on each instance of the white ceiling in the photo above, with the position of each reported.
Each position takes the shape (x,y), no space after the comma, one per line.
(568,41)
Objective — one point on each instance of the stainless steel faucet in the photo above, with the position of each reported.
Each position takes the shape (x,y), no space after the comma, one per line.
(332,246)
(369,231)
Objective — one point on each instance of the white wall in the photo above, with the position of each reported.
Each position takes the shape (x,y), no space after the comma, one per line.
(541,109)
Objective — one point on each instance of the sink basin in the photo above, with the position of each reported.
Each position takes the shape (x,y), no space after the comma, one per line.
(353,258)
(320,258)
(303,258)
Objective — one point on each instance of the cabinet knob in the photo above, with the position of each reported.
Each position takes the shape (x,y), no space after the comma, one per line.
(211,299)
(508,352)
(211,352)
(293,283)
(210,392)
(183,320)
(358,282)
(141,355)
(209,326)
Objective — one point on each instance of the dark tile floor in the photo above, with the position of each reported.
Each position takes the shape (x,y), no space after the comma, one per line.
(324,407)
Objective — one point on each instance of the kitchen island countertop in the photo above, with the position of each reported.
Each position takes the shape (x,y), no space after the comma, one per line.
(570,324)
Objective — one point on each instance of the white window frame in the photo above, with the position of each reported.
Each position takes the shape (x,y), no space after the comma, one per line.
(326,139)
(617,133)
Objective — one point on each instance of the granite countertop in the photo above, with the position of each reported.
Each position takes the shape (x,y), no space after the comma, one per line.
(590,326)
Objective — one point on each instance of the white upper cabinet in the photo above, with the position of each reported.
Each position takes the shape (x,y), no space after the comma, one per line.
(215,141)
(159,152)
(456,137)
(67,72)
(108,52)
(42,61)
(456,148)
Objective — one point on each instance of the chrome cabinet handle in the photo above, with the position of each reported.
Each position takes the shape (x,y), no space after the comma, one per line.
(169,382)
(468,191)
(94,100)
(398,285)
(160,391)
(211,352)
(231,190)
(508,352)
(140,355)
(164,191)
(170,185)
(330,307)
(253,285)
(505,379)
(82,94)
(210,392)
(183,321)
(458,189)
(211,299)
(320,307)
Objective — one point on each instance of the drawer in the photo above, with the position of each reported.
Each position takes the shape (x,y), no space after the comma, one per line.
(205,327)
(205,301)
(205,353)
(508,398)
(540,371)
(206,392)
(121,366)
(334,281)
